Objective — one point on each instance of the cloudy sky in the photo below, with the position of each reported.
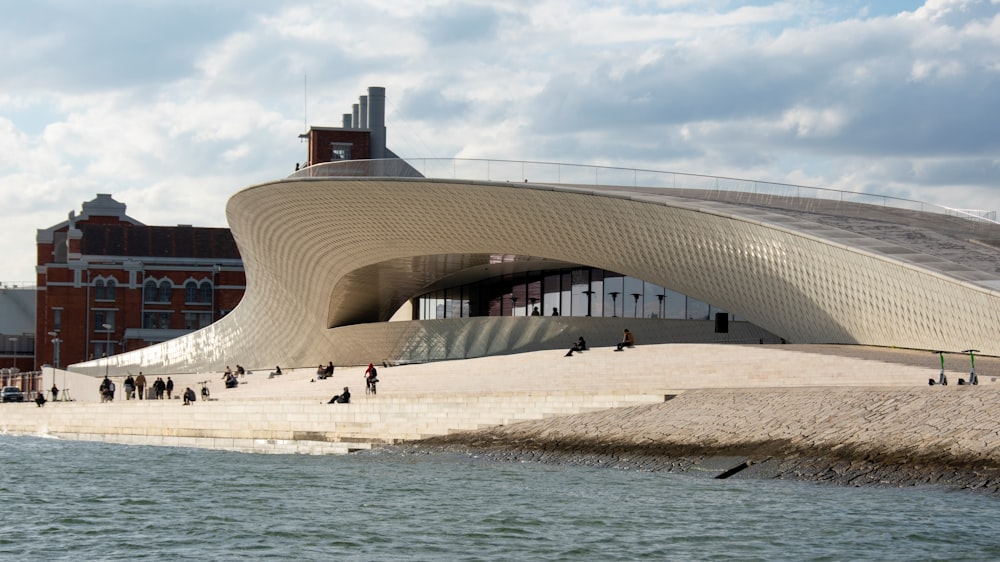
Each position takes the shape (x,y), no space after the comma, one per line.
(174,105)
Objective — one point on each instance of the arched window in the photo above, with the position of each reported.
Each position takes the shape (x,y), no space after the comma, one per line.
(165,291)
(206,292)
(190,292)
(109,290)
(99,289)
(149,291)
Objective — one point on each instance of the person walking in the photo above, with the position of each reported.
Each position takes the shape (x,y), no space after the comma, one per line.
(140,384)
(129,387)
(170,388)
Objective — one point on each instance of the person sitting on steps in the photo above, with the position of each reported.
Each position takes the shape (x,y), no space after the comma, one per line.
(344,398)
(324,372)
(628,340)
(580,345)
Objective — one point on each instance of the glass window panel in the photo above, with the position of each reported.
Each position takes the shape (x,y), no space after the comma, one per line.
(632,298)
(696,310)
(165,291)
(550,294)
(149,291)
(190,292)
(614,293)
(652,304)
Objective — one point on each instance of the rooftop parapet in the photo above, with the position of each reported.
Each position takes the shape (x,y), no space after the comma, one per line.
(717,188)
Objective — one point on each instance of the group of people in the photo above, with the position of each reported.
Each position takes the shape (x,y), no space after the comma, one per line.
(136,385)
(371,379)
(324,372)
(133,387)
(231,378)
(536,312)
(628,340)
(107,390)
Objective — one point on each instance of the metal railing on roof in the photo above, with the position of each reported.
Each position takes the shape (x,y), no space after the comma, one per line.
(709,187)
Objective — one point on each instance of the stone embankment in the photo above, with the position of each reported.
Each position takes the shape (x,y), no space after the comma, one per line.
(854,436)
(846,414)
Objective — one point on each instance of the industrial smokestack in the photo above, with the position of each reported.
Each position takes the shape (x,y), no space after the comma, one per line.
(376,120)
(357,118)
(363,124)
(347,121)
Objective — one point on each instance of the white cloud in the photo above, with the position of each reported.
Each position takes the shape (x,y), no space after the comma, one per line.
(173,107)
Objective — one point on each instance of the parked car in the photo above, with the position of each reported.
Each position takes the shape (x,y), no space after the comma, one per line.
(11,394)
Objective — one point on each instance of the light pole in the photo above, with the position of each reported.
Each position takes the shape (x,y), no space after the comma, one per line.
(662,310)
(13,360)
(107,347)
(13,352)
(614,303)
(56,340)
(635,309)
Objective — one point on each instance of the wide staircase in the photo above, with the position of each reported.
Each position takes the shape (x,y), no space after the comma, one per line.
(299,426)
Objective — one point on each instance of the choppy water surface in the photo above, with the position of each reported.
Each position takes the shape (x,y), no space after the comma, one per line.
(66,500)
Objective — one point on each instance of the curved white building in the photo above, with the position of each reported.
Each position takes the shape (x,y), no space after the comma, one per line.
(335,252)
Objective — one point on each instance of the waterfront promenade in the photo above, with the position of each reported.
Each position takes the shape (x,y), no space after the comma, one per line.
(668,400)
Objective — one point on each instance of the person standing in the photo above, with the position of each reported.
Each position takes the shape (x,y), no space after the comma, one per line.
(170,388)
(140,384)
(104,389)
(129,387)
(55,392)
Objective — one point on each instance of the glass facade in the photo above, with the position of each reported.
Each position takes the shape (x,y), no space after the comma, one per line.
(564,292)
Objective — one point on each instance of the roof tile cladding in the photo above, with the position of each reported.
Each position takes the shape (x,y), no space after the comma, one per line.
(158,241)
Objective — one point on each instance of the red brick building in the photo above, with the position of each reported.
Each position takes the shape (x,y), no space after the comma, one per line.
(109,284)
(362,136)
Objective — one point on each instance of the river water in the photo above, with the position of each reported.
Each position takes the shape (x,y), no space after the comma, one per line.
(65,500)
